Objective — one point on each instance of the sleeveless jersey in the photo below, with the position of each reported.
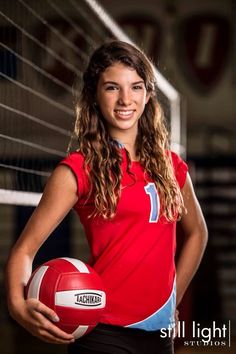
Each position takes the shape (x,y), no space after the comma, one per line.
(134,251)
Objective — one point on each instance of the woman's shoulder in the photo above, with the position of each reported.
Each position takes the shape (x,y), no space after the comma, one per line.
(75,160)
(180,167)
(74,157)
(176,158)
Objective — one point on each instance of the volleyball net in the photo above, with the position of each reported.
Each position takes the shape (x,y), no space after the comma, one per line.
(44,48)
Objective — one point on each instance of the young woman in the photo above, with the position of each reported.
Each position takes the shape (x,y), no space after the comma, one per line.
(129,191)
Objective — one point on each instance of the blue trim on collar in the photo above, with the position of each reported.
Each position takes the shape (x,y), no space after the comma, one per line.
(119,144)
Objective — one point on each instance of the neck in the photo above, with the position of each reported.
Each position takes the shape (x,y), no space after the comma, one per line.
(126,138)
(132,152)
(129,146)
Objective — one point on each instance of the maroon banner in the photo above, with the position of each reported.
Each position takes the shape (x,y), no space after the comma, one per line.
(144,31)
(202,44)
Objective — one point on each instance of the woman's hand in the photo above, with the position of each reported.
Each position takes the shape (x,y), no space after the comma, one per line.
(38,319)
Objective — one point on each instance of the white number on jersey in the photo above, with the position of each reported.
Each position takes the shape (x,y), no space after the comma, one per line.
(151,190)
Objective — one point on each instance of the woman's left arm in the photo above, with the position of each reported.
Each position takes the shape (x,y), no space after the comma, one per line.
(195,240)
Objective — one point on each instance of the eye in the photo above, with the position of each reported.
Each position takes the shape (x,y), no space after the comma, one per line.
(111,88)
(137,87)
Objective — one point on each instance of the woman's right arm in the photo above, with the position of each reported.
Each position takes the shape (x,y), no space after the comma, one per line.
(59,196)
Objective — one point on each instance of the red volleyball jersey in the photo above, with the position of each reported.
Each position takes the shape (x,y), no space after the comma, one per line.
(133,252)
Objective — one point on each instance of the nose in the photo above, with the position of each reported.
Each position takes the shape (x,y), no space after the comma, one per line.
(125,97)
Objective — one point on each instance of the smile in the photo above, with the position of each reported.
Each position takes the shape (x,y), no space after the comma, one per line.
(124,113)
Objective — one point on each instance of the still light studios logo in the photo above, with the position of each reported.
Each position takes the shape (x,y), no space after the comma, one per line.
(213,335)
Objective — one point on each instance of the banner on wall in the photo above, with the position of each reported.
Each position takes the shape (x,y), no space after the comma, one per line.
(202,47)
(146,32)
(201,41)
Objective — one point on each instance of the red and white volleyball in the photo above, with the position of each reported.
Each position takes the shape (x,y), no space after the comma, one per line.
(73,290)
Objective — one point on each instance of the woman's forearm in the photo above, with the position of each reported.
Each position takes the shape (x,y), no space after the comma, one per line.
(189,260)
(18,271)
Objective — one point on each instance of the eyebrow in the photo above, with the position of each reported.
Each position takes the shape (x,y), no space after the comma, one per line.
(115,83)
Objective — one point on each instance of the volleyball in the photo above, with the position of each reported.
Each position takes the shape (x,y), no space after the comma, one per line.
(73,290)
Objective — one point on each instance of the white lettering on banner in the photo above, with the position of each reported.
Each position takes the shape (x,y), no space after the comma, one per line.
(204,54)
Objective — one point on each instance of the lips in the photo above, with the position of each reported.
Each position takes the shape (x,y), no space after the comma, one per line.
(124,113)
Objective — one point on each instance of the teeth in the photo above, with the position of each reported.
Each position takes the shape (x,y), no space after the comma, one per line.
(124,113)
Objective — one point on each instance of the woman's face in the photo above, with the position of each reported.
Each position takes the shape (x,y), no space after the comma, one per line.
(121,96)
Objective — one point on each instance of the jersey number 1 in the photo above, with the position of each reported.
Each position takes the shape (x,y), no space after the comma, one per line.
(151,190)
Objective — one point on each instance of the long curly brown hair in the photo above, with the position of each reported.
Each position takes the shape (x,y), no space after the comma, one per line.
(103,156)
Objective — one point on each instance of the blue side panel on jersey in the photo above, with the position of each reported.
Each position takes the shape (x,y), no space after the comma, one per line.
(163,318)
